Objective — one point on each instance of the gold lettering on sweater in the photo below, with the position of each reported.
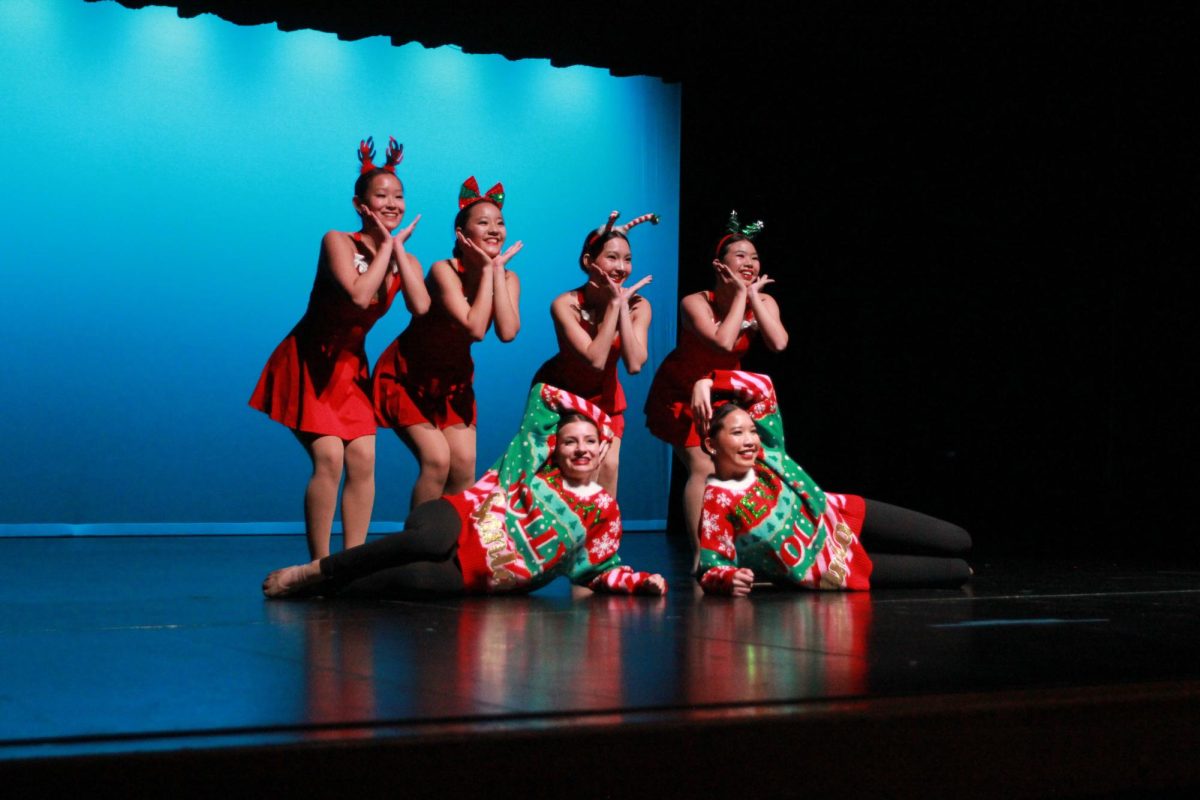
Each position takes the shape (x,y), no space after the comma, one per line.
(495,541)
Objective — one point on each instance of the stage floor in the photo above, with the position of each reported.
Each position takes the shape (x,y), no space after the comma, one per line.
(115,645)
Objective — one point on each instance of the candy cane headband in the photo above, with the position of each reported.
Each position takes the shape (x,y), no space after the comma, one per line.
(366,155)
(469,194)
(653,219)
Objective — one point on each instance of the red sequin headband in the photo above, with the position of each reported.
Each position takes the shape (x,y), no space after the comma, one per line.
(653,219)
(366,155)
(734,227)
(469,194)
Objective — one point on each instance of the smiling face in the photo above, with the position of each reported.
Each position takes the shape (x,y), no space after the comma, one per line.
(483,224)
(742,258)
(614,259)
(578,451)
(384,194)
(733,441)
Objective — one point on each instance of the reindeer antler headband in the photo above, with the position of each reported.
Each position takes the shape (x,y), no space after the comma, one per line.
(366,155)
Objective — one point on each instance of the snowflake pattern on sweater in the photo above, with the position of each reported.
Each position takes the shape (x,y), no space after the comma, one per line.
(777,521)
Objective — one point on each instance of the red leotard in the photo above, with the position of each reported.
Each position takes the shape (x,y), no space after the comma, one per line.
(568,370)
(669,402)
(426,373)
(317,380)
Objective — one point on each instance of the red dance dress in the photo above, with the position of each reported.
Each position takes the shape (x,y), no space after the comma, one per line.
(318,379)
(426,374)
(669,402)
(570,371)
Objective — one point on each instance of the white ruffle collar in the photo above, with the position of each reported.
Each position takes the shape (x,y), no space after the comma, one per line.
(735,484)
(583,491)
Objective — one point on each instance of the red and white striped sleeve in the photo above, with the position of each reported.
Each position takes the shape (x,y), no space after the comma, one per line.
(751,389)
(624,580)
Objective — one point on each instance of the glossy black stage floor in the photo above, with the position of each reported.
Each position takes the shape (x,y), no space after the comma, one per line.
(152,666)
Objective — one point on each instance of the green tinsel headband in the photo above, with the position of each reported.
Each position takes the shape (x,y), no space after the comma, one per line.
(734,227)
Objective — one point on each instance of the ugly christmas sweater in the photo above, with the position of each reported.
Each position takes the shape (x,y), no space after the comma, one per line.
(523,526)
(776,520)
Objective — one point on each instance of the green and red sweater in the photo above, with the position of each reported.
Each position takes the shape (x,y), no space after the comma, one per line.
(776,520)
(523,526)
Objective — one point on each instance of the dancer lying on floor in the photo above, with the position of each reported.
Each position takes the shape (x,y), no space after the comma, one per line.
(764,518)
(536,514)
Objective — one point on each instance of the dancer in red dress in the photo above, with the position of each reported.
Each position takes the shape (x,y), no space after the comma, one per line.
(716,329)
(598,324)
(423,381)
(317,381)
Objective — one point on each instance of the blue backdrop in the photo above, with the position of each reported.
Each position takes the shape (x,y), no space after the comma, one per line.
(166,184)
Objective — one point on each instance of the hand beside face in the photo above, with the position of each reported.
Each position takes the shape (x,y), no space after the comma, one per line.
(385,199)
(615,260)
(484,227)
(742,260)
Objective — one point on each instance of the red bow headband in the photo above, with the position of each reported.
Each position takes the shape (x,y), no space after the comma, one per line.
(366,155)
(469,193)
(734,227)
(653,219)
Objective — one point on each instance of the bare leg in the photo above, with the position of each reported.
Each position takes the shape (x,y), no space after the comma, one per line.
(358,495)
(699,466)
(433,455)
(461,439)
(320,498)
(607,474)
(288,580)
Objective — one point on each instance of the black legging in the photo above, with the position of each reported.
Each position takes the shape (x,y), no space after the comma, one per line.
(420,562)
(910,549)
(907,548)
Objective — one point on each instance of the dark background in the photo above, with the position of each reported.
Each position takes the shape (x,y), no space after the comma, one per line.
(981,224)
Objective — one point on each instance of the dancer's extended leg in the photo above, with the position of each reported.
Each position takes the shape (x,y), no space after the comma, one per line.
(430,535)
